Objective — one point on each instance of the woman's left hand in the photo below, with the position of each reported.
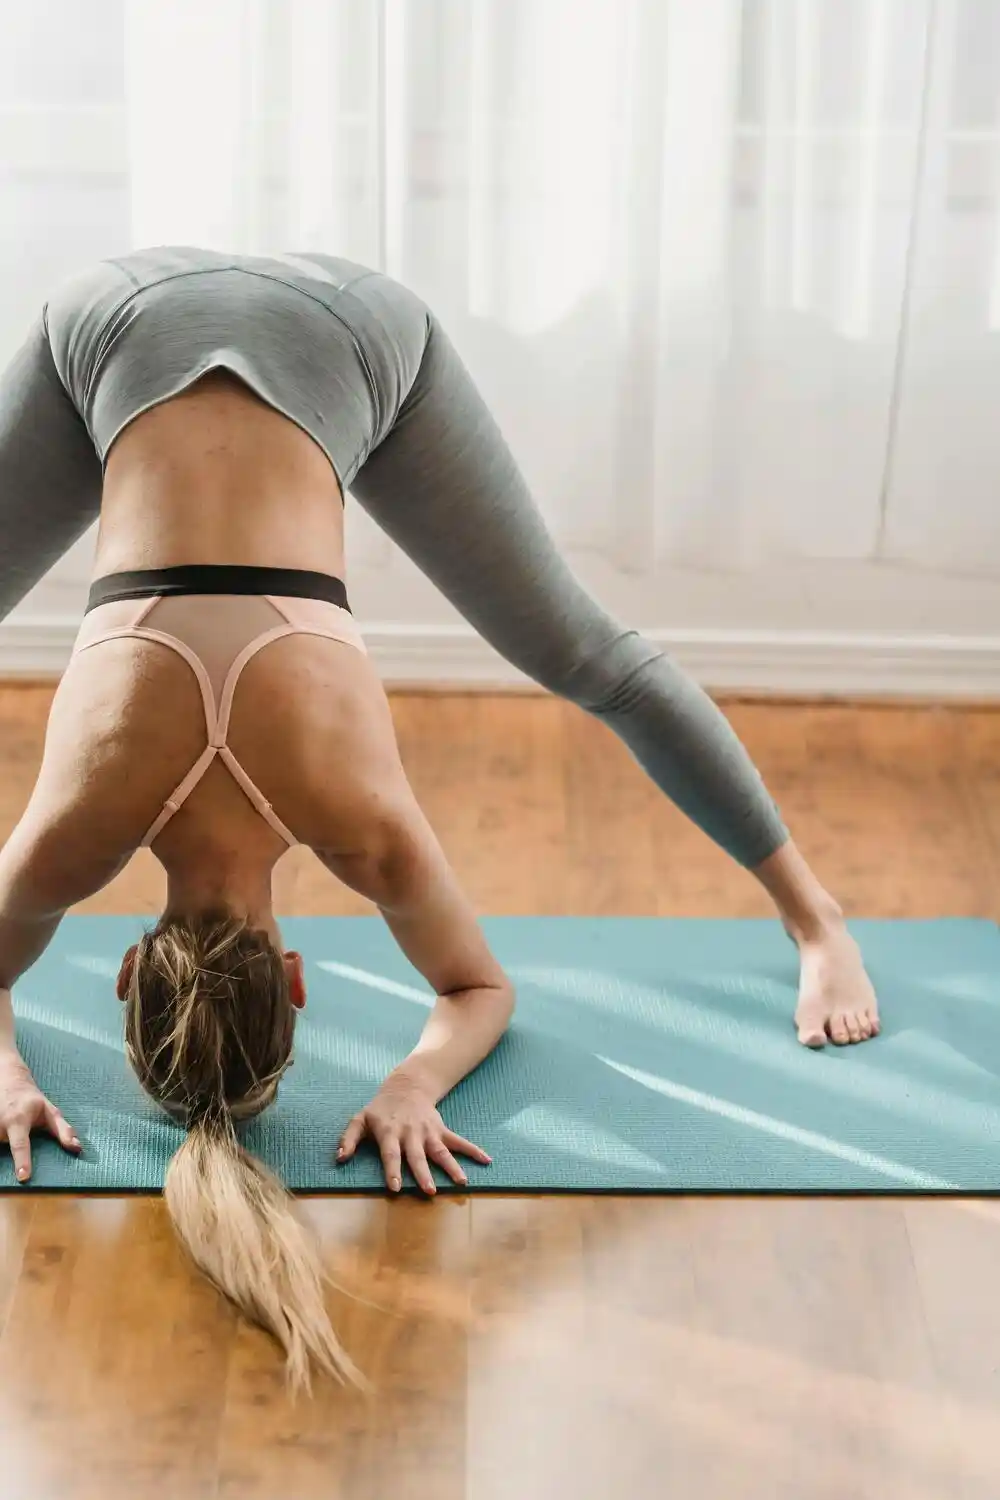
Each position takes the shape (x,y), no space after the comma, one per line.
(402,1119)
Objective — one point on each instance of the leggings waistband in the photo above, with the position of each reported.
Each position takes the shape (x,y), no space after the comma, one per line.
(217,578)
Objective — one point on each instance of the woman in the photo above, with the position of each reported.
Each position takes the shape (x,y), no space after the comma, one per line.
(212,411)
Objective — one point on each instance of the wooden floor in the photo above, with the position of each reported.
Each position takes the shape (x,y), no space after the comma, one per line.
(570,1347)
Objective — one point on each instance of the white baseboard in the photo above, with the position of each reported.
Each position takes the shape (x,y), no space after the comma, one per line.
(796,662)
(37,646)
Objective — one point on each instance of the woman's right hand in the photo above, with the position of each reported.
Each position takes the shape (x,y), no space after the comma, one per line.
(403,1121)
(23,1108)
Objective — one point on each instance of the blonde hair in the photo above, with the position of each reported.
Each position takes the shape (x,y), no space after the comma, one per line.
(208,1029)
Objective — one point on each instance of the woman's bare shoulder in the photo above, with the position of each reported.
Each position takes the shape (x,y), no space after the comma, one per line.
(122,723)
(325,752)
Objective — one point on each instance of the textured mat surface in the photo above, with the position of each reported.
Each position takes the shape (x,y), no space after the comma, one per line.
(646,1056)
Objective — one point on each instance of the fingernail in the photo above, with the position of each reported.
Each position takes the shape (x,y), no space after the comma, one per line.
(22,1173)
(394,1184)
(340,1151)
(74,1140)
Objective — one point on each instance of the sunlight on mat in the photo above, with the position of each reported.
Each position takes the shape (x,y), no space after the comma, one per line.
(646,1055)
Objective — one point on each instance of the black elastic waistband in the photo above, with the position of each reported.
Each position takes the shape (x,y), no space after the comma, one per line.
(213,578)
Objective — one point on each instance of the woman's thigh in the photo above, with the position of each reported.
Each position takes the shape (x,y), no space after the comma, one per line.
(50,475)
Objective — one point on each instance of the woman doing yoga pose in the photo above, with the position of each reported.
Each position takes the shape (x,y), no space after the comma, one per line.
(212,411)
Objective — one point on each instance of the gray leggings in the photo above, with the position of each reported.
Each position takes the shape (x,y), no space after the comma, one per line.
(442,483)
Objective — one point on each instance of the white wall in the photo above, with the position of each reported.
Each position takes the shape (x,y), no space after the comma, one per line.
(858,548)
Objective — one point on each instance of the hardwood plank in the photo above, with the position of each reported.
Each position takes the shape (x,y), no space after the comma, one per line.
(615,822)
(563,1399)
(516,797)
(979,766)
(956,1245)
(113,1358)
(16,1214)
(752,1349)
(806,1308)
(410,1258)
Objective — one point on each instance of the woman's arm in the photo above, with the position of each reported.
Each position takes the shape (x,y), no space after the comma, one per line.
(43,872)
(410,881)
(435,926)
(21,943)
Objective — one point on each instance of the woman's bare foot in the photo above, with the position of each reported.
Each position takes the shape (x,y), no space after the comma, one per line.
(836,998)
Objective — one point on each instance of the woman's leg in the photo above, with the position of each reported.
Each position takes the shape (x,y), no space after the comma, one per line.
(50,475)
(444,485)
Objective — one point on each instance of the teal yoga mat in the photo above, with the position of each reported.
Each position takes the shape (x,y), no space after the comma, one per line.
(645,1056)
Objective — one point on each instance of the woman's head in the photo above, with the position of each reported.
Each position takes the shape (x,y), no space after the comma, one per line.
(209,1015)
(210,1008)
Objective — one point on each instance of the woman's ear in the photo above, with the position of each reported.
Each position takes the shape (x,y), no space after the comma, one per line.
(125,973)
(295,970)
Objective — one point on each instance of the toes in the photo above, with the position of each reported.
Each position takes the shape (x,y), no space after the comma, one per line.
(838,1030)
(811,1033)
(843,1027)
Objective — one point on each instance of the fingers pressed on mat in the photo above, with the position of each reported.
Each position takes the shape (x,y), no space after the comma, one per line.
(61,1129)
(391,1162)
(439,1152)
(459,1143)
(351,1137)
(20,1149)
(417,1158)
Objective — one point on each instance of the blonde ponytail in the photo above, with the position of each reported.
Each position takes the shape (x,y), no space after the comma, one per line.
(208,1030)
(237,1223)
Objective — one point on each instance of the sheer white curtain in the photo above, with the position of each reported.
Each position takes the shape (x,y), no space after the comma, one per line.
(728,271)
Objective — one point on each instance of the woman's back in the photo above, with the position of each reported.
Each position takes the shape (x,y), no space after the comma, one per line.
(182,340)
(215,475)
(229,401)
